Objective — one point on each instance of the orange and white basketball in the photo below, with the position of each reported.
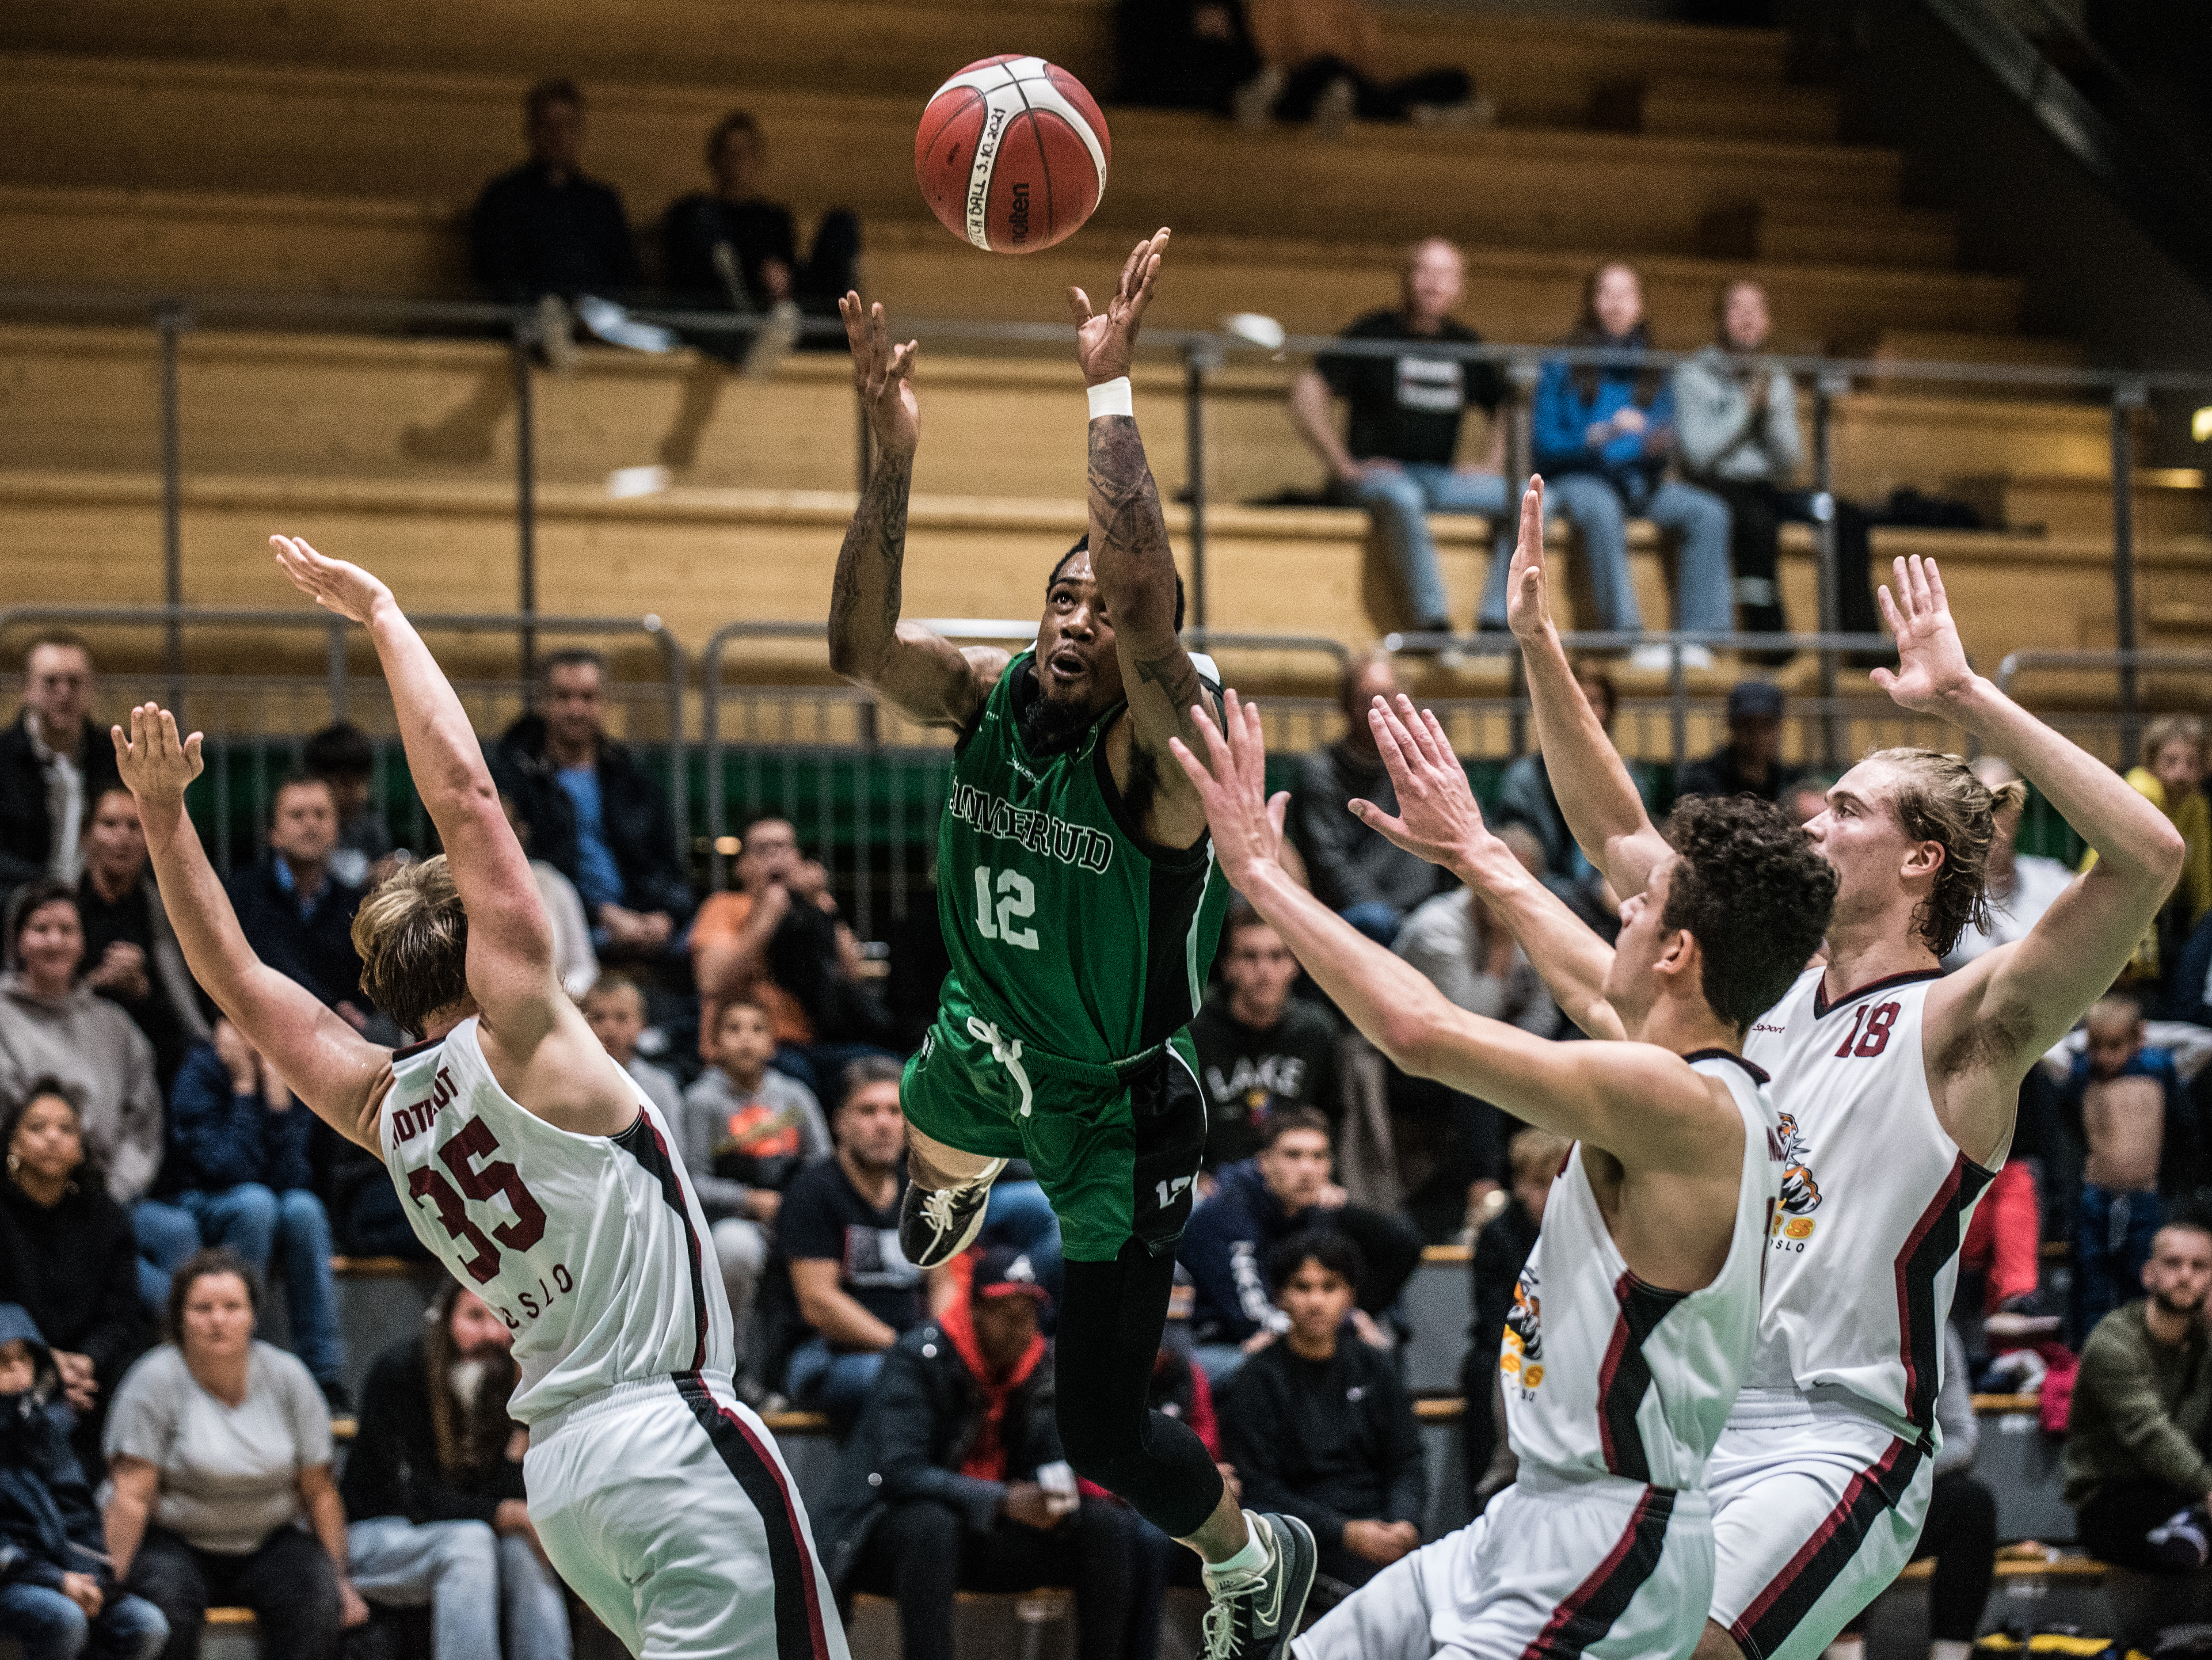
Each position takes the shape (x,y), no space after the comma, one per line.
(1011,154)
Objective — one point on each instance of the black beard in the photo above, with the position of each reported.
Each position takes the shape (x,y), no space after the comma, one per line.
(1047,726)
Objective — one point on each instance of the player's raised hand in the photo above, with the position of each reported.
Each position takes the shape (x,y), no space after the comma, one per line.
(1106,341)
(1231,781)
(884,373)
(1931,666)
(333,584)
(1437,816)
(154,762)
(1528,592)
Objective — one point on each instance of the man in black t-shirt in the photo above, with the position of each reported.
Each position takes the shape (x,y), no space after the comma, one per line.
(136,962)
(544,227)
(1395,457)
(1260,1051)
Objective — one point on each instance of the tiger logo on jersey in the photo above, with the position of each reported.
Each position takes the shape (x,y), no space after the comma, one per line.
(1522,1354)
(1801,1190)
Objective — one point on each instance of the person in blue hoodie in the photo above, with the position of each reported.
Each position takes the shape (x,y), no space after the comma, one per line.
(58,1597)
(1283,1190)
(1603,439)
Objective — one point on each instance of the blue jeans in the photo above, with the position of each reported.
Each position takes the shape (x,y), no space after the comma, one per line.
(291,1226)
(51,1627)
(1021,1216)
(2113,1235)
(1401,502)
(821,1380)
(468,1576)
(1705,598)
(1379,921)
(167,1234)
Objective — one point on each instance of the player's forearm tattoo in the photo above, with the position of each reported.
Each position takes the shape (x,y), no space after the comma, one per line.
(864,604)
(1126,503)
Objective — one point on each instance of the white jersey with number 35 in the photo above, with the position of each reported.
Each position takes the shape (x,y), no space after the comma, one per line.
(592,1249)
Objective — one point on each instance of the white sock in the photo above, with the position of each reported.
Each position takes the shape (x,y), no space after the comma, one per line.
(1944,1648)
(1250,1559)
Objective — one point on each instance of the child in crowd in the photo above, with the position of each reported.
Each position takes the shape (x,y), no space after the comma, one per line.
(614,1008)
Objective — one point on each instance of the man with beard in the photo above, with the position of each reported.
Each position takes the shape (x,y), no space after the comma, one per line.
(433,1485)
(1081,904)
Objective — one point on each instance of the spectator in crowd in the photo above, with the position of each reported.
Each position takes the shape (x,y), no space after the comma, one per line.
(239,1167)
(574,959)
(1320,1427)
(1603,439)
(1807,799)
(434,1489)
(1527,799)
(67,1254)
(219,1449)
(2136,1473)
(2126,1103)
(1401,434)
(955,1478)
(1358,873)
(746,1130)
(1501,1252)
(343,757)
(544,228)
(1738,419)
(2004,1246)
(837,1227)
(54,763)
(594,812)
(2189,994)
(2171,775)
(614,1008)
(1750,763)
(59,1598)
(1182,54)
(1260,1049)
(1322,61)
(137,963)
(1284,1189)
(294,910)
(1471,957)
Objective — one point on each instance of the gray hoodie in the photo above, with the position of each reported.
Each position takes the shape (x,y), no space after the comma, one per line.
(90,1043)
(1722,437)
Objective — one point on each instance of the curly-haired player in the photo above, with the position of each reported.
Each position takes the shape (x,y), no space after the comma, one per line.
(1902,1085)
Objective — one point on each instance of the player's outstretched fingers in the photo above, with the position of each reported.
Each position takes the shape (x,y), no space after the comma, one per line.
(1078,306)
(1416,731)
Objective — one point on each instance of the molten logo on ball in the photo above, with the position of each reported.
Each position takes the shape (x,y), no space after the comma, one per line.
(1012,155)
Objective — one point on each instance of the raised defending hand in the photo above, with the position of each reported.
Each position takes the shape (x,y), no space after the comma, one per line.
(1106,342)
(334,585)
(1527,594)
(1931,667)
(156,766)
(1232,784)
(883,372)
(1437,816)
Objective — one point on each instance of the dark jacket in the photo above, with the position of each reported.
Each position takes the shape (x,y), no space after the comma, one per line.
(393,1468)
(2181,1153)
(529,236)
(74,1270)
(640,829)
(48,1523)
(1328,1442)
(316,950)
(920,1422)
(218,1138)
(1350,864)
(1717,775)
(27,838)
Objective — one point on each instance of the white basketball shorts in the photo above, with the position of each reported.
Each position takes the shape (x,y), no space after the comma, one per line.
(1552,1570)
(1816,1508)
(665,1506)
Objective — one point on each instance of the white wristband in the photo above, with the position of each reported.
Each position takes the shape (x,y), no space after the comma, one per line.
(1112,399)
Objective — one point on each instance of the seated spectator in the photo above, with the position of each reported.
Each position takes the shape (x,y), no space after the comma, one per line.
(2004,1247)
(594,812)
(1358,873)
(574,959)
(614,1008)
(1807,799)
(1322,61)
(1260,1049)
(219,1450)
(58,1597)
(1738,416)
(1401,433)
(2126,1104)
(434,1489)
(837,1227)
(544,228)
(137,963)
(239,1167)
(1282,1190)
(1322,1428)
(2172,776)
(54,765)
(1182,54)
(67,1254)
(1501,1252)
(1750,763)
(343,757)
(292,908)
(1602,439)
(2136,1473)
(955,1480)
(1469,955)
(744,1131)
(1527,799)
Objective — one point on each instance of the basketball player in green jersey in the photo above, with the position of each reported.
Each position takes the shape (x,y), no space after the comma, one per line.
(1081,905)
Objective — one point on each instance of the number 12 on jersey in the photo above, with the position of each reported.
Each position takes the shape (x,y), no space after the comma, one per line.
(1016,898)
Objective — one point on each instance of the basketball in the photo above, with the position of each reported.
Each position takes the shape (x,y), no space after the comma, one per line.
(1012,155)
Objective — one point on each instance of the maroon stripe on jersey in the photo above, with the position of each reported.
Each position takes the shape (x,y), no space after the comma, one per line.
(1625,1378)
(1822,1008)
(642,1142)
(1766,1623)
(1934,1241)
(799,1630)
(1587,1615)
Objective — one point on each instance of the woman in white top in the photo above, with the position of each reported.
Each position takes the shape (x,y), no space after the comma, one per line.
(219,1448)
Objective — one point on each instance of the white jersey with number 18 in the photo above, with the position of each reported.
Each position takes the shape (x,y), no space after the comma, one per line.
(591,1247)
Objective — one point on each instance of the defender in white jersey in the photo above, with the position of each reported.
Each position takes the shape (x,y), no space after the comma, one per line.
(1639,1307)
(656,1495)
(1897,1091)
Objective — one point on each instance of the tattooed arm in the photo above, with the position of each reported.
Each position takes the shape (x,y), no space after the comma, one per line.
(924,674)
